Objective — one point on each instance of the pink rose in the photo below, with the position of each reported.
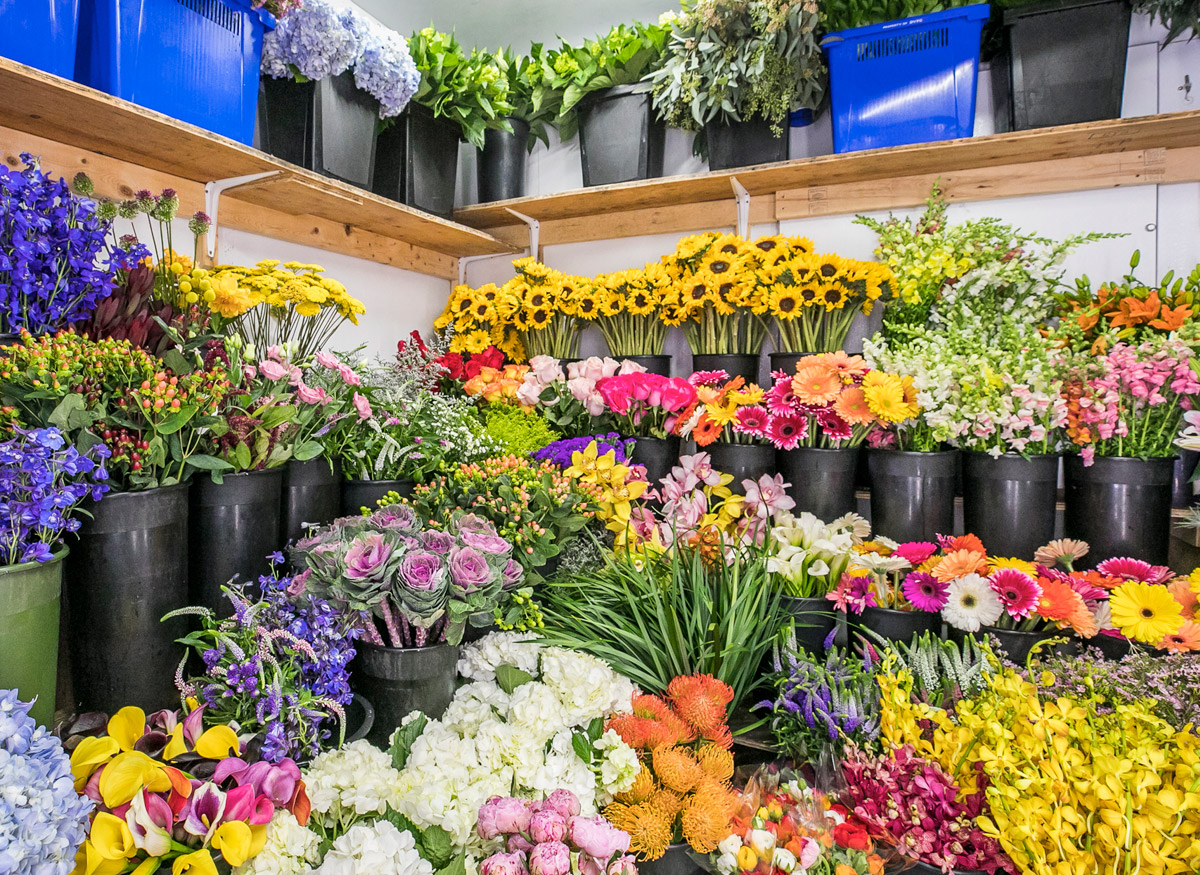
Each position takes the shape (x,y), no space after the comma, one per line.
(564,802)
(326,360)
(547,825)
(581,388)
(677,394)
(616,394)
(629,366)
(594,404)
(363,406)
(546,368)
(503,815)
(596,836)
(504,864)
(530,391)
(550,858)
(312,394)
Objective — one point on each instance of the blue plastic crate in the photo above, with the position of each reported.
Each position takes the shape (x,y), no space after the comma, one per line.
(40,33)
(194,60)
(906,81)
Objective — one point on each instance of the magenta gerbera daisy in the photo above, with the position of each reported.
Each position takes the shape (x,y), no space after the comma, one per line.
(835,428)
(709,378)
(1087,590)
(1127,569)
(925,592)
(1018,592)
(752,420)
(915,552)
(786,431)
(780,399)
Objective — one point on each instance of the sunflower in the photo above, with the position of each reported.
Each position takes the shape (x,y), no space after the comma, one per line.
(770,244)
(586,305)
(475,341)
(831,295)
(799,245)
(784,302)
(730,245)
(830,266)
(1145,612)
(537,318)
(671,314)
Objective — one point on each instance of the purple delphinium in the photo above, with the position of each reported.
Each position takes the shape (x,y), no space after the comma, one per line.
(56,261)
(560,452)
(42,480)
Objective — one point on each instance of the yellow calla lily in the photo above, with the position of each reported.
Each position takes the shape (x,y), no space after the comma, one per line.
(217,743)
(148,866)
(110,837)
(128,774)
(234,840)
(198,863)
(127,726)
(95,864)
(90,755)
(258,841)
(176,745)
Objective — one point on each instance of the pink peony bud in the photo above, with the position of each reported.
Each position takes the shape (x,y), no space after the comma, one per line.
(564,802)
(504,864)
(547,825)
(623,865)
(596,836)
(550,858)
(503,815)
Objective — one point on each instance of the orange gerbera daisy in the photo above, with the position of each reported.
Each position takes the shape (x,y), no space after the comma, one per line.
(1185,640)
(816,384)
(959,563)
(1181,590)
(852,406)
(1058,602)
(967,542)
(841,363)
(707,430)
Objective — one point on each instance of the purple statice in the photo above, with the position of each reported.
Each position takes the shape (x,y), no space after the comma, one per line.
(314,42)
(822,706)
(56,261)
(560,452)
(42,480)
(43,821)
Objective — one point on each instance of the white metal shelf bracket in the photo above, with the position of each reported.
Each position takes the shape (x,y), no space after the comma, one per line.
(535,228)
(742,198)
(468,259)
(212,200)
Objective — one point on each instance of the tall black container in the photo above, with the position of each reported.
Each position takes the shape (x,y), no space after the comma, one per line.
(743,461)
(416,161)
(1010,502)
(234,526)
(1060,63)
(912,494)
(620,137)
(822,481)
(1121,507)
(311,494)
(398,681)
(786,361)
(735,364)
(357,494)
(327,126)
(1183,492)
(500,171)
(128,566)
(815,619)
(659,455)
(743,144)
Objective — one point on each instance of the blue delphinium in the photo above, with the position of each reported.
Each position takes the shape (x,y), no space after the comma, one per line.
(42,479)
(56,261)
(43,820)
(560,452)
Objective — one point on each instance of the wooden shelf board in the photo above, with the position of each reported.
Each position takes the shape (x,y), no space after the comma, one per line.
(39,105)
(1138,151)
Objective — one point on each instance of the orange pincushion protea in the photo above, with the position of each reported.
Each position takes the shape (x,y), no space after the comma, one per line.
(649,832)
(676,768)
(675,730)
(704,824)
(701,700)
(715,761)
(643,787)
(666,803)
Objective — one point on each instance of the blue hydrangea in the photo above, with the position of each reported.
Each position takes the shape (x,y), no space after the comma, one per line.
(387,71)
(43,821)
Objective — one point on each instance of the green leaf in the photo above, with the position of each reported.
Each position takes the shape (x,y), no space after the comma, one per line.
(403,738)
(458,866)
(435,846)
(510,677)
(208,463)
(596,728)
(177,420)
(176,361)
(582,745)
(402,823)
(71,414)
(241,456)
(307,450)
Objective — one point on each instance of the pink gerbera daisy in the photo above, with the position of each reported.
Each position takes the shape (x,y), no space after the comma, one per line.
(1127,569)
(786,431)
(924,591)
(752,420)
(1018,592)
(916,552)
(1087,590)
(835,428)
(709,378)
(780,399)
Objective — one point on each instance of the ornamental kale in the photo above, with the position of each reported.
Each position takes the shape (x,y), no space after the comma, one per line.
(42,479)
(42,819)
(560,452)
(56,263)
(278,666)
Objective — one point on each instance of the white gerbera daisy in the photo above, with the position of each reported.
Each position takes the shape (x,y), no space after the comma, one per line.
(971,604)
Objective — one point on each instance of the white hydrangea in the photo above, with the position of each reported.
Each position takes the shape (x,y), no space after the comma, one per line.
(478,661)
(587,687)
(474,704)
(619,766)
(536,707)
(355,781)
(378,848)
(291,849)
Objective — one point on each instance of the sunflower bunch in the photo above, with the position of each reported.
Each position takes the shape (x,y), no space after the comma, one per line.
(682,792)
(631,310)
(481,318)
(550,309)
(290,303)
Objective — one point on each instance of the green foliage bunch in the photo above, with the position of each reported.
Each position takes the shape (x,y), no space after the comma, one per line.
(470,90)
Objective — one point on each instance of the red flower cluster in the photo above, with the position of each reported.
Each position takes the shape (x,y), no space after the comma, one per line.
(460,367)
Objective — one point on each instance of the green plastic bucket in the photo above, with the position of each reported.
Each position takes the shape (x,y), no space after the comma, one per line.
(29,601)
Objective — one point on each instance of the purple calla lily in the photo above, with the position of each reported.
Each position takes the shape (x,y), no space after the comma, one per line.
(204,809)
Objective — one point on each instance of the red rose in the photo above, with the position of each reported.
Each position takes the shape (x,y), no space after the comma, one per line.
(849,835)
(453,363)
(489,358)
(472,368)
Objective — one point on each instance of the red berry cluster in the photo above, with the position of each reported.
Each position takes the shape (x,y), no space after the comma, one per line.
(127,446)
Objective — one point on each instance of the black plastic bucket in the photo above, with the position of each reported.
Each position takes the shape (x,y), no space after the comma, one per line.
(311,495)
(620,136)
(1121,507)
(234,526)
(822,481)
(659,455)
(357,494)
(500,170)
(397,681)
(743,144)
(1010,501)
(327,126)
(786,361)
(1016,645)
(1061,63)
(678,860)
(1183,492)
(735,364)
(815,620)
(743,461)
(912,494)
(654,364)
(893,625)
(127,568)
(416,161)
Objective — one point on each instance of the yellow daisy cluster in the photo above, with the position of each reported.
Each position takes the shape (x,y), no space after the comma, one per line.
(1077,785)
(298,287)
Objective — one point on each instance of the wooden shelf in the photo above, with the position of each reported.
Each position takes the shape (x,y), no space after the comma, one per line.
(124,147)
(1096,155)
